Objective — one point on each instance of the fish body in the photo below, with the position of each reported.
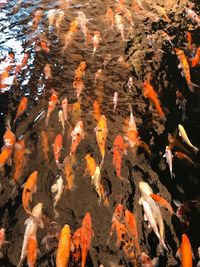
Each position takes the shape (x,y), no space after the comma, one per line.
(101,135)
(47,72)
(52,104)
(160,200)
(5,156)
(65,109)
(58,189)
(96,40)
(120,25)
(76,241)
(98,75)
(23,63)
(44,144)
(21,108)
(91,165)
(149,92)
(115,100)
(83,21)
(86,237)
(30,187)
(57,146)
(32,251)
(2,237)
(61,119)
(109,16)
(19,154)
(37,17)
(196,59)
(169,157)
(77,135)
(118,151)
(51,17)
(185,138)
(59,19)
(63,252)
(183,156)
(32,224)
(145,261)
(185,252)
(68,167)
(96,110)
(192,15)
(78,85)
(9,138)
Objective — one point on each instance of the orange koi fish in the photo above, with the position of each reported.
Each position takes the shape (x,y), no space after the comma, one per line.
(77,135)
(149,92)
(189,40)
(80,71)
(185,68)
(21,108)
(91,165)
(63,252)
(23,63)
(52,104)
(9,138)
(2,237)
(86,237)
(183,156)
(195,60)
(96,110)
(32,251)
(118,150)
(30,187)
(109,16)
(101,135)
(5,156)
(96,40)
(57,146)
(131,226)
(68,162)
(78,85)
(44,144)
(121,232)
(185,252)
(160,200)
(76,241)
(44,46)
(19,160)
(118,215)
(70,34)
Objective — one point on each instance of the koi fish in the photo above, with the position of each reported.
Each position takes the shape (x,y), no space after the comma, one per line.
(98,75)
(101,135)
(63,252)
(61,120)
(47,72)
(19,160)
(185,68)
(57,187)
(80,71)
(32,224)
(120,232)
(37,17)
(5,157)
(70,34)
(2,238)
(44,46)
(169,157)
(132,133)
(185,138)
(57,146)
(78,85)
(145,261)
(86,237)
(44,144)
(9,138)
(83,21)
(149,92)
(21,108)
(192,15)
(96,110)
(68,166)
(183,156)
(65,109)
(118,151)
(160,200)
(115,100)
(32,251)
(195,60)
(91,165)
(76,112)
(77,135)
(51,17)
(96,40)
(109,17)
(76,241)
(189,40)
(30,187)
(52,104)
(120,25)
(185,252)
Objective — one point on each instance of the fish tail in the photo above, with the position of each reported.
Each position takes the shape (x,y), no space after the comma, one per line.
(192,87)
(106,202)
(196,150)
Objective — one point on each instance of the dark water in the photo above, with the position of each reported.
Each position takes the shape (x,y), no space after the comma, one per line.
(18,35)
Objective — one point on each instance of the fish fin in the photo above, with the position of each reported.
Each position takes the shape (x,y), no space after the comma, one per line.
(179,66)
(196,150)
(177,203)
(178,253)
(164,156)
(192,86)
(54,188)
(145,218)
(182,73)
(180,189)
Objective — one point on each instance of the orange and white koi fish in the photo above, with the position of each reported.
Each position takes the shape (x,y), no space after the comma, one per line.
(78,85)
(149,92)
(109,17)
(96,110)
(185,252)
(52,104)
(23,63)
(132,134)
(131,226)
(44,144)
(195,60)
(160,200)
(57,188)
(19,154)
(63,252)
(57,146)
(86,237)
(96,40)
(70,34)
(118,151)
(47,72)
(77,135)
(80,71)
(183,135)
(184,65)
(5,157)
(120,25)
(65,109)
(32,251)
(68,167)
(169,158)
(30,187)
(21,108)
(61,119)
(101,135)
(9,138)
(83,21)
(32,224)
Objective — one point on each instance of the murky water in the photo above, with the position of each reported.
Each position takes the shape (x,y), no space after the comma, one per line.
(19,36)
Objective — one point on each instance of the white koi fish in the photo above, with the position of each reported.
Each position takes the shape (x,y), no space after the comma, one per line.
(58,189)
(169,157)
(185,138)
